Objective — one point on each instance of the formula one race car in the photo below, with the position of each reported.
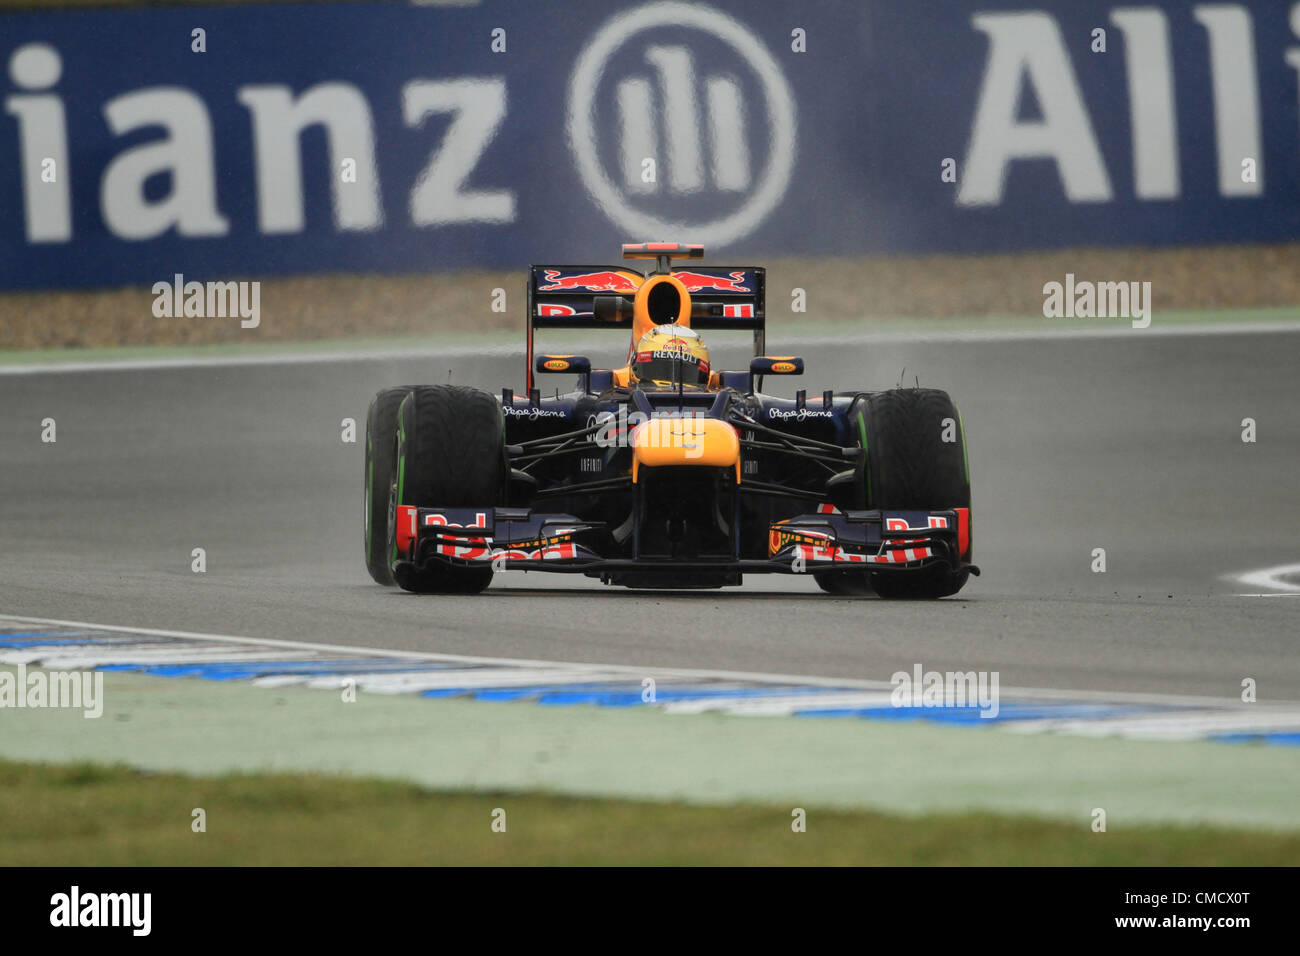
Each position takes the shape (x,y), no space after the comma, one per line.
(666,473)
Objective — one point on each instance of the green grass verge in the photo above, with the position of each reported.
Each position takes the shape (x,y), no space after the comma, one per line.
(83,814)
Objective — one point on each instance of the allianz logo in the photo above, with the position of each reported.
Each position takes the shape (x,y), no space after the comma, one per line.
(278,116)
(680,94)
(1029,51)
(694,105)
(666,115)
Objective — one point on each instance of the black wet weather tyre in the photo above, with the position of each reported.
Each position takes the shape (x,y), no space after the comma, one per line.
(916,460)
(381,465)
(451,454)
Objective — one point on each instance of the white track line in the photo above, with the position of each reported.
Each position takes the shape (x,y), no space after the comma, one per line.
(149,658)
(501,350)
(778,705)
(968,335)
(637,673)
(322,357)
(1184,726)
(443,680)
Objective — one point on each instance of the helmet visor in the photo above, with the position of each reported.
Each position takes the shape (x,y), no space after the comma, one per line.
(670,368)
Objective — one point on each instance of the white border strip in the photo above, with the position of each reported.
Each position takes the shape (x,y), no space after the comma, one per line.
(1035,334)
(314,357)
(1172,700)
(504,349)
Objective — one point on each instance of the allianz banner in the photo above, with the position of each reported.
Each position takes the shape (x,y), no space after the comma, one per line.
(247,141)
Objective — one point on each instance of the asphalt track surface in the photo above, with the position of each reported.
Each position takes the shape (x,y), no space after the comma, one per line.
(1131,443)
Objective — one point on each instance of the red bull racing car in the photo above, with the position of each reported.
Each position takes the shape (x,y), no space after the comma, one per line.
(666,472)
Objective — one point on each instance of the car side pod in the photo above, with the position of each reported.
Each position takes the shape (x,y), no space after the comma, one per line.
(684,441)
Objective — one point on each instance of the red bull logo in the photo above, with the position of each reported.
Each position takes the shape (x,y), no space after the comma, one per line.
(586,282)
(698,281)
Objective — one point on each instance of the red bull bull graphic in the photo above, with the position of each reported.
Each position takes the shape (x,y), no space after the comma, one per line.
(702,281)
(557,281)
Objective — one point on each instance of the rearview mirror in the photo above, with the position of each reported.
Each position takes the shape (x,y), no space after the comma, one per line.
(776,365)
(772,365)
(578,364)
(564,363)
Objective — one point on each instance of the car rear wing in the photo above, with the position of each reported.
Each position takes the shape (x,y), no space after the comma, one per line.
(602,297)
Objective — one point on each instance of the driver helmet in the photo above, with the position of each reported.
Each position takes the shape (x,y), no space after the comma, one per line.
(669,354)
